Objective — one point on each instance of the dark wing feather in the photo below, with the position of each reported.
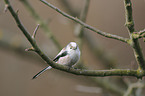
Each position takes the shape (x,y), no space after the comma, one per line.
(60,55)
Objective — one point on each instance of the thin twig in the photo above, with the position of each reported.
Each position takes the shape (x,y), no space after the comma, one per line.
(108,35)
(141,32)
(6,7)
(30,49)
(34,33)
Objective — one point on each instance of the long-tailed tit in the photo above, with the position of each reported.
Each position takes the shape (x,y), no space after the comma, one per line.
(68,56)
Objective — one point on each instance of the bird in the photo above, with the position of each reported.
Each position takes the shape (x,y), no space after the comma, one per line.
(68,56)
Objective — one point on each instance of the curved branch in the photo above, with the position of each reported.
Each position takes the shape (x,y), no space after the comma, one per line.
(108,35)
(97,73)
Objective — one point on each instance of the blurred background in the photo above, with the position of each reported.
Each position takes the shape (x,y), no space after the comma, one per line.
(17,67)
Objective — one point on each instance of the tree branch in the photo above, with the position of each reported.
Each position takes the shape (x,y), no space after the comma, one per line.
(108,62)
(108,35)
(34,33)
(128,15)
(134,41)
(97,73)
(140,34)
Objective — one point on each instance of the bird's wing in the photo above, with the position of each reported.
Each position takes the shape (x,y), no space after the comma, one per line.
(62,53)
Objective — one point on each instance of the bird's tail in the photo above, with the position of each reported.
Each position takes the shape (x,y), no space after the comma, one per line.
(39,73)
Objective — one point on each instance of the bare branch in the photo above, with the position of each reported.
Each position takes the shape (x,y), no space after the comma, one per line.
(133,40)
(97,73)
(140,34)
(108,35)
(128,15)
(30,49)
(6,7)
(34,33)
